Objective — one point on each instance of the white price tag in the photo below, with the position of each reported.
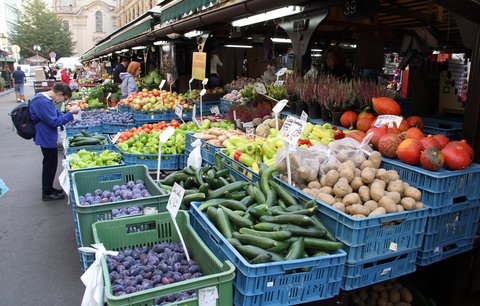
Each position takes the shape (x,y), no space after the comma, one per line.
(166,134)
(215,110)
(389,120)
(281,71)
(194,115)
(175,199)
(436,250)
(249,129)
(393,247)
(162,83)
(278,83)
(179,110)
(203,92)
(260,88)
(108,96)
(149,210)
(270,284)
(207,296)
(205,82)
(280,106)
(292,129)
(115,138)
(304,116)
(152,117)
(385,271)
(235,116)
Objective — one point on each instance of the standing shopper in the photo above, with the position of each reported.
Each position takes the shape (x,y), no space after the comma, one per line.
(121,67)
(19,80)
(128,79)
(48,118)
(65,77)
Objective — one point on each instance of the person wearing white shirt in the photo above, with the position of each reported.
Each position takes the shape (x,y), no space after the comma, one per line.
(213,80)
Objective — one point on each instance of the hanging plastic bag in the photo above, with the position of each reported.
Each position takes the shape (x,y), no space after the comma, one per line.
(350,149)
(304,164)
(93,277)
(330,162)
(195,157)
(64,179)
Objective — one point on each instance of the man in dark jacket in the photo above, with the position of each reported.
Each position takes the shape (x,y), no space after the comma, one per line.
(43,111)
(122,67)
(19,79)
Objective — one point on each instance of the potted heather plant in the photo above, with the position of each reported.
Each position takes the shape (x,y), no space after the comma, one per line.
(310,98)
(341,98)
(291,92)
(322,92)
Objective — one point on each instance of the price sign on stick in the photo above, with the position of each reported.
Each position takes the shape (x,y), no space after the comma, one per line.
(108,98)
(173,205)
(164,136)
(115,138)
(171,84)
(194,115)
(190,85)
(389,120)
(215,110)
(281,71)
(202,93)
(207,296)
(291,130)
(249,129)
(278,108)
(162,83)
(304,116)
(179,111)
(260,88)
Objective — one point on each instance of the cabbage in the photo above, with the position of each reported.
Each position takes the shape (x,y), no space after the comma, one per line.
(148,80)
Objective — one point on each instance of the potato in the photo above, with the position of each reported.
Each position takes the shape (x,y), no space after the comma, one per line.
(384,294)
(364,193)
(402,304)
(363,294)
(351,198)
(371,205)
(400,208)
(356,183)
(340,206)
(327,198)
(342,188)
(396,186)
(314,185)
(357,209)
(383,175)
(406,184)
(366,164)
(356,298)
(358,216)
(331,178)
(382,302)
(393,175)
(412,192)
(349,164)
(368,175)
(419,205)
(306,190)
(314,192)
(307,173)
(406,295)
(339,199)
(374,294)
(371,300)
(388,286)
(397,285)
(376,159)
(378,288)
(387,203)
(326,189)
(395,196)
(382,183)
(408,203)
(378,212)
(348,174)
(358,172)
(394,295)
(377,191)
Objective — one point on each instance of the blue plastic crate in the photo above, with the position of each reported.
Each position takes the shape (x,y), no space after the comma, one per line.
(225,106)
(206,107)
(273,283)
(85,259)
(149,116)
(451,223)
(99,148)
(452,129)
(376,271)
(123,108)
(370,238)
(113,128)
(72,130)
(168,162)
(207,149)
(440,188)
(186,115)
(445,251)
(182,161)
(238,170)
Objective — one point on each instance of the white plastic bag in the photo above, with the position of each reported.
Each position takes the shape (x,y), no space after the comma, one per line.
(195,157)
(93,277)
(64,179)
(350,149)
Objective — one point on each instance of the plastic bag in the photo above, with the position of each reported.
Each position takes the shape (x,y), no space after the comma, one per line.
(350,149)
(330,162)
(64,179)
(93,277)
(195,157)
(304,163)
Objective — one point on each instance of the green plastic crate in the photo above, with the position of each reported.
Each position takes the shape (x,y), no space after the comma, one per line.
(88,181)
(157,228)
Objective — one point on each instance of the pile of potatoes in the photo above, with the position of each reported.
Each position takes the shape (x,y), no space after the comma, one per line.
(391,293)
(367,191)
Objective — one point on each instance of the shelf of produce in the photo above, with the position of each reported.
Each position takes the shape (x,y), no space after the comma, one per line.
(274,283)
(237,169)
(92,128)
(372,238)
(168,161)
(207,149)
(154,229)
(452,129)
(440,188)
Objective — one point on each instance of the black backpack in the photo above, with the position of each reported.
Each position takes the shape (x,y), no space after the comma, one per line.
(21,121)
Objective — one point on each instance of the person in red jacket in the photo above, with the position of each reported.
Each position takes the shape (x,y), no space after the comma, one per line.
(65,77)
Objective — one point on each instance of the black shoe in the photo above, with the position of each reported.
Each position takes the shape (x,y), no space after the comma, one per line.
(52,197)
(57,191)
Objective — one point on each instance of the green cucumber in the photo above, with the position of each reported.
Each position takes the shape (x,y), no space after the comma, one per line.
(257,213)
(212,215)
(203,188)
(232,204)
(265,177)
(271,198)
(281,204)
(305,212)
(277,208)
(256,194)
(247,201)
(317,223)
(234,241)
(303,232)
(262,258)
(85,133)
(251,251)
(224,224)
(236,219)
(300,220)
(174,177)
(281,246)
(275,235)
(222,173)
(261,242)
(282,193)
(196,197)
(190,182)
(189,170)
(322,244)
(220,192)
(223,181)
(296,250)
(319,254)
(294,208)
(236,195)
(268,227)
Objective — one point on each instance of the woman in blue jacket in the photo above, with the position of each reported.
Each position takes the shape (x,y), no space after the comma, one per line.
(48,118)
(128,79)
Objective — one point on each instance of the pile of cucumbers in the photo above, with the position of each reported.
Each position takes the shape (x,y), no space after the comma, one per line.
(263,221)
(87,139)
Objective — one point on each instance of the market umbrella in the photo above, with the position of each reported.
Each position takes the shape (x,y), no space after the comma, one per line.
(36,59)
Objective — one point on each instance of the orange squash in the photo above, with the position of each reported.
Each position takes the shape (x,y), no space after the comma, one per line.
(386,106)
(348,119)
(415,133)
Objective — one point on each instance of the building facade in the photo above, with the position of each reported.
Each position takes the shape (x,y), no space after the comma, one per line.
(128,10)
(8,16)
(88,20)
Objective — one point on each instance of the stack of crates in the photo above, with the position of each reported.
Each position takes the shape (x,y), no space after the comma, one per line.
(453,202)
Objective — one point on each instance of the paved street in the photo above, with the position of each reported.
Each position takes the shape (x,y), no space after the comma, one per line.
(39,263)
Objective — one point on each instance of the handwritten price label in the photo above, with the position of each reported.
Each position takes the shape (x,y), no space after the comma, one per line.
(304,116)
(207,296)
(292,129)
(260,88)
(249,129)
(215,110)
(175,199)
(389,120)
(179,110)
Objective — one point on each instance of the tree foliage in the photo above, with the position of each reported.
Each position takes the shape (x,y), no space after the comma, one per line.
(38,25)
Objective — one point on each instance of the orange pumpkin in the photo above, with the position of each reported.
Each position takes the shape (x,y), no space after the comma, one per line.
(365,114)
(415,133)
(409,151)
(388,145)
(348,119)
(377,133)
(386,106)
(355,134)
(364,123)
(415,121)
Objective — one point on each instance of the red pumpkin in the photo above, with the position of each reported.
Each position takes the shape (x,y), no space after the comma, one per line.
(456,158)
(348,119)
(388,145)
(409,151)
(462,144)
(377,133)
(386,106)
(403,126)
(432,159)
(355,134)
(442,140)
(415,121)
(364,123)
(429,142)
(365,114)
(415,133)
